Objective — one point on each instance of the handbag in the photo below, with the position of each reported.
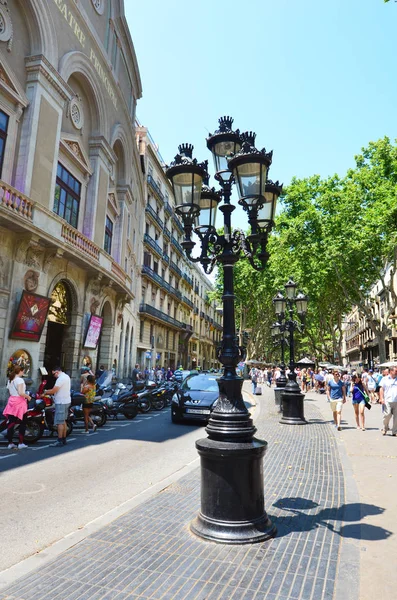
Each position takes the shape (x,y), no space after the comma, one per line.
(366,399)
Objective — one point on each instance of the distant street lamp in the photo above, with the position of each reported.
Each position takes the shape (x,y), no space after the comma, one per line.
(291,397)
(232,496)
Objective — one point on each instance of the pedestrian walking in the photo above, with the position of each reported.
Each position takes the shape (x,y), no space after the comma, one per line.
(336,394)
(371,384)
(388,399)
(254,379)
(16,407)
(358,391)
(135,375)
(89,391)
(61,392)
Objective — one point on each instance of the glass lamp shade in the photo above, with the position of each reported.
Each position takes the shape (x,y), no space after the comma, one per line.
(250,168)
(186,176)
(208,203)
(223,143)
(290,288)
(275,329)
(301,303)
(268,209)
(279,303)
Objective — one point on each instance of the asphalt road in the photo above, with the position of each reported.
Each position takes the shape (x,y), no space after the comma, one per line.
(47,493)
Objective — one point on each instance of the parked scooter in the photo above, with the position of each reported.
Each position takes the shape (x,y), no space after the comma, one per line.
(120,400)
(46,405)
(34,425)
(98,412)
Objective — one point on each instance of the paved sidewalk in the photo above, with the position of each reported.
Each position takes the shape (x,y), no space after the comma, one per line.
(149,552)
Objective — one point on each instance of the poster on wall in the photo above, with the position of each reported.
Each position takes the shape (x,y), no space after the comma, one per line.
(31,317)
(93,332)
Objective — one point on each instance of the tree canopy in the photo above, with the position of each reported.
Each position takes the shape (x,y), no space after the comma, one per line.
(334,236)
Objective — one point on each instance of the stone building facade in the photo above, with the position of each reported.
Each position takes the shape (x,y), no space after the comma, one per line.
(179,325)
(72,191)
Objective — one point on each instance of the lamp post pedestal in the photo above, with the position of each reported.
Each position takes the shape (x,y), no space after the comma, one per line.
(232,495)
(292,402)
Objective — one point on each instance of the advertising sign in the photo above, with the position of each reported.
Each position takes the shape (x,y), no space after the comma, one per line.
(93,332)
(31,317)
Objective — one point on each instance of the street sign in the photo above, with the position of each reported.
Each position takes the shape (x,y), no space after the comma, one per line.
(148,354)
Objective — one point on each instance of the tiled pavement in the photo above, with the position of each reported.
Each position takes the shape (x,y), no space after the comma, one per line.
(150,553)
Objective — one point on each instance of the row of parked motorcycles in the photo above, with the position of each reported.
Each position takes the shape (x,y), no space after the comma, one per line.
(112,400)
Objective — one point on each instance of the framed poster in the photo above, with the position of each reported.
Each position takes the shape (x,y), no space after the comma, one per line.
(93,332)
(31,317)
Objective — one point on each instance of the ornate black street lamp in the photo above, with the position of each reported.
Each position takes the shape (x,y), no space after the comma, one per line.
(232,496)
(291,397)
(278,335)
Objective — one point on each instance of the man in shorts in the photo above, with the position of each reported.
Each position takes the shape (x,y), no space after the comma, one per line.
(336,394)
(61,392)
(388,399)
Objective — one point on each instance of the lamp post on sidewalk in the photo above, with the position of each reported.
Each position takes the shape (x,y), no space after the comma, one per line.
(291,396)
(279,339)
(232,496)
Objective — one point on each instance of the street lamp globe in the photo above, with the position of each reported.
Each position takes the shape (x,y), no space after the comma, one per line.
(223,143)
(186,176)
(290,288)
(301,304)
(279,304)
(250,167)
(267,210)
(275,329)
(208,204)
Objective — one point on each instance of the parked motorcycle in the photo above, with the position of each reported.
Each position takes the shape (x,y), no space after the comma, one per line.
(34,425)
(120,400)
(46,405)
(98,412)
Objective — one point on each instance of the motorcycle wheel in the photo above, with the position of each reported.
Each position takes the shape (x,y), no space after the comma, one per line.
(34,431)
(158,404)
(145,406)
(69,428)
(100,419)
(131,413)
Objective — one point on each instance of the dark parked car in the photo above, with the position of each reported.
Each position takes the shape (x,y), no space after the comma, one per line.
(196,398)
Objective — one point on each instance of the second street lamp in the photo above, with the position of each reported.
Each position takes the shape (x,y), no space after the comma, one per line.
(232,490)
(291,396)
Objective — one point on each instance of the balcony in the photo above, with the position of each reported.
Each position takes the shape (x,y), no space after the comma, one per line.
(166,258)
(177,245)
(161,282)
(15,203)
(159,194)
(147,309)
(202,315)
(178,224)
(167,233)
(36,222)
(153,244)
(196,310)
(196,289)
(175,268)
(150,211)
(187,301)
(168,208)
(188,279)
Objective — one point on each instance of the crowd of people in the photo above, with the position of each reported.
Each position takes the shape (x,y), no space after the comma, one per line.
(370,386)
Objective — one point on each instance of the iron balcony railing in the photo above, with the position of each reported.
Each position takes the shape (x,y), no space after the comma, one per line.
(168,208)
(202,315)
(177,245)
(188,279)
(155,188)
(153,244)
(175,268)
(159,314)
(161,282)
(178,224)
(196,310)
(150,210)
(166,258)
(167,233)
(187,301)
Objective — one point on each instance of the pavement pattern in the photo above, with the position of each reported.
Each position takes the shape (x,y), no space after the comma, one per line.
(150,552)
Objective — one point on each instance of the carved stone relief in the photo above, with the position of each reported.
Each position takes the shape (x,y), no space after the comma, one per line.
(31,280)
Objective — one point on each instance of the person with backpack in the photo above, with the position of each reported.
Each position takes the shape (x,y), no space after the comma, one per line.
(254,379)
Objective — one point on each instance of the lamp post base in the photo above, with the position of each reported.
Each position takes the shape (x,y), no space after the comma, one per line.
(232,497)
(292,402)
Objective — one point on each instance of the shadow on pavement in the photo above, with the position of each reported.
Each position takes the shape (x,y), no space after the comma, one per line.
(303,517)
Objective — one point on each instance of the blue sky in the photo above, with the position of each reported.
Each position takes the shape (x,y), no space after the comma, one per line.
(315,79)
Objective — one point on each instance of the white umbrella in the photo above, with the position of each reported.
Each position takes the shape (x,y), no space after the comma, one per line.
(390,363)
